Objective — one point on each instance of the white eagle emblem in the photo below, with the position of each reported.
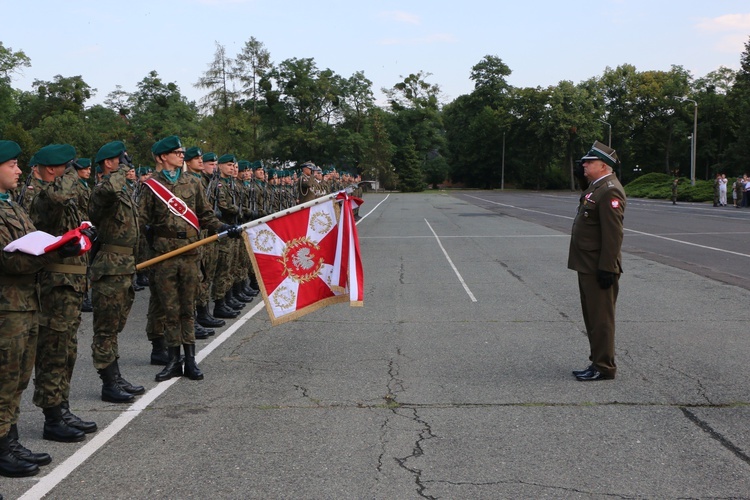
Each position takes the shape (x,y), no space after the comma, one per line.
(303,259)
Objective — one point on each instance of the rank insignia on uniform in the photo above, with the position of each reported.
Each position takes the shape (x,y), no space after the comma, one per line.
(615,203)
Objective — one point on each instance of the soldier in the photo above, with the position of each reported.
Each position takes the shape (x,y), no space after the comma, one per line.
(54,210)
(83,169)
(31,188)
(113,212)
(175,208)
(595,254)
(19,306)
(306,185)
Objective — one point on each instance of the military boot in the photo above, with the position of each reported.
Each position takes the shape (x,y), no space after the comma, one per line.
(248,290)
(86,305)
(11,465)
(56,429)
(159,354)
(174,366)
(111,390)
(191,368)
(23,453)
(125,385)
(142,279)
(200,332)
(203,316)
(237,293)
(74,421)
(222,310)
(232,302)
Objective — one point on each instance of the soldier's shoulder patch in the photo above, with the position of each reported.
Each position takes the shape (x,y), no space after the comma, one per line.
(615,203)
(30,187)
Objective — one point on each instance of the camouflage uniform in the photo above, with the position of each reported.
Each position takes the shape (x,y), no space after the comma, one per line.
(114,213)
(226,202)
(19,317)
(35,185)
(209,253)
(55,210)
(176,280)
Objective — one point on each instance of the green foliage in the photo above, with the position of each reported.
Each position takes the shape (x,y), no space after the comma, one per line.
(659,186)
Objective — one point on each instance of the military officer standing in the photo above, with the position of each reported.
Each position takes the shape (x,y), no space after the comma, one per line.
(306,184)
(175,208)
(595,254)
(113,211)
(19,316)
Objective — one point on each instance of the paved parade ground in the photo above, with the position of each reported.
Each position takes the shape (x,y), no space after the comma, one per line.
(454,379)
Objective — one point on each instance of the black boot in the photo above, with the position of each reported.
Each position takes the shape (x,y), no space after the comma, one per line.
(142,279)
(56,429)
(173,368)
(248,290)
(205,319)
(159,354)
(136,286)
(87,306)
(232,302)
(111,390)
(23,453)
(200,332)
(237,293)
(125,385)
(221,310)
(74,421)
(191,368)
(11,465)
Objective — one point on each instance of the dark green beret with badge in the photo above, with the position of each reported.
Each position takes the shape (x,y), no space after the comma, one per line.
(110,150)
(166,145)
(193,152)
(243,165)
(55,154)
(227,159)
(257,164)
(9,150)
(210,157)
(82,163)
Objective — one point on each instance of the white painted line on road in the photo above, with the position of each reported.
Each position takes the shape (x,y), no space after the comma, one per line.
(63,470)
(455,270)
(371,211)
(705,247)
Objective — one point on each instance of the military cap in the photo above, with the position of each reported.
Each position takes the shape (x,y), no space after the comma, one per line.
(193,152)
(228,158)
(257,164)
(142,170)
(33,162)
(110,150)
(9,150)
(166,145)
(243,165)
(600,151)
(55,154)
(82,163)
(308,164)
(98,169)
(210,157)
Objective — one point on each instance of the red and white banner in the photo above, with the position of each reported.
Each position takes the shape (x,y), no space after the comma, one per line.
(39,242)
(348,266)
(297,260)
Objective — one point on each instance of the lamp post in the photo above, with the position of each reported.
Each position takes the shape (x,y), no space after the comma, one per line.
(502,167)
(693,142)
(610,131)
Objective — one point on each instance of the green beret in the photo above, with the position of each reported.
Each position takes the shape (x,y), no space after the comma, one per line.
(32,161)
(193,152)
(257,164)
(98,169)
(110,150)
(227,159)
(142,170)
(55,154)
(9,150)
(166,145)
(243,165)
(84,163)
(210,157)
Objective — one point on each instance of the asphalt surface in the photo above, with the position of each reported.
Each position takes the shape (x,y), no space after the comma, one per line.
(453,381)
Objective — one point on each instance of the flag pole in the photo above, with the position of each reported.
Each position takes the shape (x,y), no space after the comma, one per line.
(256,222)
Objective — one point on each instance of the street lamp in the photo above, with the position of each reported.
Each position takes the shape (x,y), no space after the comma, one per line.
(610,144)
(502,168)
(694,140)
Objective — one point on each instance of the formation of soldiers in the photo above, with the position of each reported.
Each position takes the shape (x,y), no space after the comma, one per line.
(137,214)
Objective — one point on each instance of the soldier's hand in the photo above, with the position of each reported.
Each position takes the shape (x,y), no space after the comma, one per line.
(605,278)
(70,249)
(91,233)
(233,231)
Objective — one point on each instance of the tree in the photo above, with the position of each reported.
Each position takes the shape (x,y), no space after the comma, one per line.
(11,62)
(739,106)
(376,160)
(411,177)
(249,66)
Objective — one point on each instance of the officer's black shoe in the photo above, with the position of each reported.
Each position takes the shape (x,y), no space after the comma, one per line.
(205,319)
(200,332)
(87,306)
(221,310)
(56,429)
(23,453)
(11,465)
(142,279)
(581,372)
(125,385)
(191,368)
(593,375)
(111,390)
(74,421)
(159,354)
(173,368)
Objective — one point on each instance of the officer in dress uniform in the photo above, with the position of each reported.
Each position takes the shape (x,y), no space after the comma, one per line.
(595,254)
(306,184)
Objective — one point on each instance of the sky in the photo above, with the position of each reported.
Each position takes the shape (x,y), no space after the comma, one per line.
(543,42)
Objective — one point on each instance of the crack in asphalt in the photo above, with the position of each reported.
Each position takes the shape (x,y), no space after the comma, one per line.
(723,440)
(539,485)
